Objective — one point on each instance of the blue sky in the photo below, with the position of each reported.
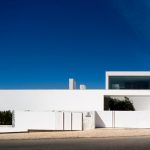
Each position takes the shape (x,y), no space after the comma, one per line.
(44,42)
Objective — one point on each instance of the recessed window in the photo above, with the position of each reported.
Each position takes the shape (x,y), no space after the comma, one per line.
(129,82)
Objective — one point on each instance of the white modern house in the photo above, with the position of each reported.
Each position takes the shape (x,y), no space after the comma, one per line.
(135,85)
(78,105)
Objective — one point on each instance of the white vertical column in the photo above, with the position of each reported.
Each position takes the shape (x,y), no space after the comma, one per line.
(72,84)
(106,81)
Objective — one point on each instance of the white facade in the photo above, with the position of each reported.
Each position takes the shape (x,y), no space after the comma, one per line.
(68,100)
(44,100)
(140,96)
(77,100)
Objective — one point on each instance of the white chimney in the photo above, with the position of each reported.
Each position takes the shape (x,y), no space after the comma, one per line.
(72,84)
(82,87)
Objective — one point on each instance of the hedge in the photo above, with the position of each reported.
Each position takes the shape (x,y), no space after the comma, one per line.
(5,118)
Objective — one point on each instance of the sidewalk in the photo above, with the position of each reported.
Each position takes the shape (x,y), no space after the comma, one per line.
(96,133)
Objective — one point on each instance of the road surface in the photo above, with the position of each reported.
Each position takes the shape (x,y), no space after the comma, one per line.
(131,143)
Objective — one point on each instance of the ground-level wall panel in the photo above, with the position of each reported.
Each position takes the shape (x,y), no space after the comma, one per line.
(132,119)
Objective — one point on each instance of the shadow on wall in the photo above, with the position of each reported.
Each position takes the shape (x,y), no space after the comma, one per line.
(118,103)
(99,123)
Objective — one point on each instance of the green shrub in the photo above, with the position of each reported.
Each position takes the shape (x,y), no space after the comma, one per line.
(116,104)
(5,118)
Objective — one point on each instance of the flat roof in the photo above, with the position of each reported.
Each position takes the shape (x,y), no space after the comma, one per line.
(127,73)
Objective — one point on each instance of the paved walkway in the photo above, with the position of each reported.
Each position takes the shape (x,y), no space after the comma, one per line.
(96,133)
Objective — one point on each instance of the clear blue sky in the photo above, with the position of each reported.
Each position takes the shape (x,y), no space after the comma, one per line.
(44,42)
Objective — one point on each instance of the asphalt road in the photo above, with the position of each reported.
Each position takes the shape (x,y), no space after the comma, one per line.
(132,143)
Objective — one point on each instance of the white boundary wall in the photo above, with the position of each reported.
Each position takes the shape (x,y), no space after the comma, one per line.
(24,121)
(135,119)
(104,119)
(44,100)
(123,119)
(35,120)
(48,120)
(67,100)
(56,120)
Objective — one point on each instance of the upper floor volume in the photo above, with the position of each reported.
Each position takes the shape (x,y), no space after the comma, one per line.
(128,80)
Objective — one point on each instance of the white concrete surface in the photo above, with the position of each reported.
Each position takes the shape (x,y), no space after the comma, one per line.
(52,120)
(88,120)
(12,129)
(135,119)
(67,100)
(25,121)
(123,119)
(77,121)
(67,120)
(39,120)
(36,120)
(127,73)
(33,120)
(43,100)
(59,120)
(104,119)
